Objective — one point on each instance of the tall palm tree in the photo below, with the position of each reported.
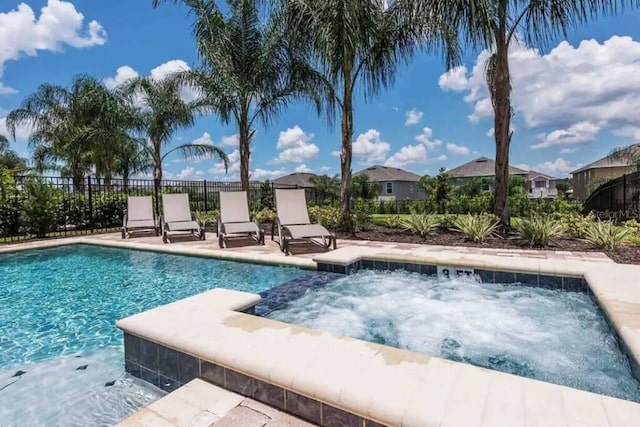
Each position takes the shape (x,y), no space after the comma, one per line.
(360,44)
(326,185)
(60,117)
(162,112)
(249,72)
(4,142)
(9,159)
(494,25)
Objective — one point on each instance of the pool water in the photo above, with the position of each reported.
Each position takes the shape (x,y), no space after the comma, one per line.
(550,335)
(67,299)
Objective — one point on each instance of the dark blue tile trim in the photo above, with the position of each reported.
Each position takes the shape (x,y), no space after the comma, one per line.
(280,295)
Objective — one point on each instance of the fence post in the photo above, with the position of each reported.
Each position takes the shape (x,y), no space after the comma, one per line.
(90,203)
(205,195)
(624,195)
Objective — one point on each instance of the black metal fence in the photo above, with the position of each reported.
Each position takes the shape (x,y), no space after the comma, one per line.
(618,199)
(55,207)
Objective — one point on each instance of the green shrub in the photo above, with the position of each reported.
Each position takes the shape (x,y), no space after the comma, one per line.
(264,215)
(420,223)
(446,221)
(361,215)
(393,221)
(328,216)
(576,225)
(633,226)
(540,231)
(108,209)
(606,235)
(477,227)
(40,208)
(209,218)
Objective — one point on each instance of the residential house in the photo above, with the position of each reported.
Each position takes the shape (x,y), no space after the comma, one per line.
(539,185)
(395,184)
(587,178)
(295,180)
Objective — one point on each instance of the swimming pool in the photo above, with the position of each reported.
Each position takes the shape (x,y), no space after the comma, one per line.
(551,335)
(66,300)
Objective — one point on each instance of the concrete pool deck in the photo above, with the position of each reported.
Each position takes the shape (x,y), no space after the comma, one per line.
(343,381)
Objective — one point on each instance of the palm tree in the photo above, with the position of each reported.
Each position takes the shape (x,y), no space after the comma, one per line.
(493,25)
(326,185)
(161,114)
(61,118)
(4,142)
(359,44)
(249,72)
(9,159)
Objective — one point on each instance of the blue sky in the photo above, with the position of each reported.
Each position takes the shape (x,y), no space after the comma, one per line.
(574,101)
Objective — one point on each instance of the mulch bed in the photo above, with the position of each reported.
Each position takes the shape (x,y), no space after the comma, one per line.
(628,254)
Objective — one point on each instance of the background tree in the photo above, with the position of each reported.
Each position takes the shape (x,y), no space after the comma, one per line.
(61,120)
(162,112)
(248,71)
(363,188)
(494,25)
(327,185)
(359,44)
(9,159)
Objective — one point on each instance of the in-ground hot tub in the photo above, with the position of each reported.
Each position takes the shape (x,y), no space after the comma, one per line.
(542,332)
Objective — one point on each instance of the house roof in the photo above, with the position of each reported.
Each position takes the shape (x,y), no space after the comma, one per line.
(300,179)
(613,160)
(379,173)
(482,166)
(535,174)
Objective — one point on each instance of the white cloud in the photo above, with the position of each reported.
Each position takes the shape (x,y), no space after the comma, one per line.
(167,68)
(295,146)
(632,132)
(413,117)
(123,75)
(409,154)
(325,169)
(559,167)
(59,24)
(425,138)
(230,141)
(303,168)
(234,165)
(204,139)
(262,174)
(491,132)
(22,132)
(568,150)
(460,150)
(190,173)
(369,147)
(593,82)
(575,134)
(440,158)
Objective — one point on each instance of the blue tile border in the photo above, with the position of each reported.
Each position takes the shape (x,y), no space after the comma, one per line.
(171,373)
(568,283)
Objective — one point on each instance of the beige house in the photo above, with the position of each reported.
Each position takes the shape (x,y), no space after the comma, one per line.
(540,185)
(395,184)
(587,178)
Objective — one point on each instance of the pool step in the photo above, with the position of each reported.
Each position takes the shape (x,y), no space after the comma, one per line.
(202,404)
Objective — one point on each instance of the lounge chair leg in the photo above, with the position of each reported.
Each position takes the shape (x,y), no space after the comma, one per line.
(335,244)
(124,234)
(202,235)
(221,241)
(261,237)
(165,238)
(157,231)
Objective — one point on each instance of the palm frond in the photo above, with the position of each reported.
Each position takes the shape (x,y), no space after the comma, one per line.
(199,151)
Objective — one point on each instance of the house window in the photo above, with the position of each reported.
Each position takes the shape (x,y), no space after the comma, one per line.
(540,184)
(388,188)
(486,187)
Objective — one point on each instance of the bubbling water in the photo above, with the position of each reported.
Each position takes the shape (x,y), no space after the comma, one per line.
(550,335)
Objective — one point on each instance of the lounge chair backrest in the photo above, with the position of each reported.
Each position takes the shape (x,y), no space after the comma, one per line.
(291,206)
(139,208)
(234,207)
(175,207)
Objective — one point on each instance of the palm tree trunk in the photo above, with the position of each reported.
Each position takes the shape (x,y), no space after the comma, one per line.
(502,126)
(157,173)
(345,157)
(243,147)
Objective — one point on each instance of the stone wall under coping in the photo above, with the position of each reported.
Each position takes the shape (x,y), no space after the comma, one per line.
(169,369)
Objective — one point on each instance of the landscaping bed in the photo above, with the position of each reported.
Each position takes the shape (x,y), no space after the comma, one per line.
(626,254)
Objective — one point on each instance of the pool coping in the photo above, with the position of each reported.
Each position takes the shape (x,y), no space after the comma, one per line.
(380,385)
(175,249)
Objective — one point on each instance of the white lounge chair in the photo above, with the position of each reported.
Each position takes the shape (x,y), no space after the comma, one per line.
(177,217)
(139,216)
(293,224)
(234,220)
